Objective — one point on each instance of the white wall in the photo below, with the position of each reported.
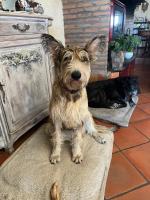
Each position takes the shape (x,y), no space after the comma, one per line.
(54,9)
(139,13)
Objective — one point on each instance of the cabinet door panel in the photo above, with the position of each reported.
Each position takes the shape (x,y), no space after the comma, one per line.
(25,76)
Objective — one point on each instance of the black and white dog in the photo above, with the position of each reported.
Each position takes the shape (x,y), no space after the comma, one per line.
(113,93)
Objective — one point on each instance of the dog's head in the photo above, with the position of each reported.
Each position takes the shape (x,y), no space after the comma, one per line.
(130,85)
(72,64)
(133,87)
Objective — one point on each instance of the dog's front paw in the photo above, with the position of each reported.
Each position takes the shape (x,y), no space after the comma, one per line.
(131,103)
(99,139)
(77,158)
(115,105)
(54,158)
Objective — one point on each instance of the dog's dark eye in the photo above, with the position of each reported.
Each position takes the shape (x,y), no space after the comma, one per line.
(83,56)
(84,59)
(67,57)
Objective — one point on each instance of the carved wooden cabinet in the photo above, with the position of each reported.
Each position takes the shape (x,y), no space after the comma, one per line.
(25,75)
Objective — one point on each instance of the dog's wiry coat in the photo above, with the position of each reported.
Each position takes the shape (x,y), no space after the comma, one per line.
(69,104)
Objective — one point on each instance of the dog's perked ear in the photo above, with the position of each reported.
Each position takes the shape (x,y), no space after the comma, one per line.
(97,44)
(50,44)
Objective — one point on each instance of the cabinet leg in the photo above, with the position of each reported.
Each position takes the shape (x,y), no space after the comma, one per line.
(10,149)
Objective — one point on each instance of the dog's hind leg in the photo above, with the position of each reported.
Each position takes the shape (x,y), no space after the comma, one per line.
(77,156)
(56,145)
(91,130)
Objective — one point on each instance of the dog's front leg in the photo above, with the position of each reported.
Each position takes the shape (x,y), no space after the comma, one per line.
(91,130)
(56,144)
(76,145)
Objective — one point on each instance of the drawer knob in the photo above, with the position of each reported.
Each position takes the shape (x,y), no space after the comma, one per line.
(21,27)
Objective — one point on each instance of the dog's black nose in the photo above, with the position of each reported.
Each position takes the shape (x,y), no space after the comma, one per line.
(76,75)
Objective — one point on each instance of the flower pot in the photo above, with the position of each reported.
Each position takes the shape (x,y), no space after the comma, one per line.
(128,55)
(9,5)
(117,60)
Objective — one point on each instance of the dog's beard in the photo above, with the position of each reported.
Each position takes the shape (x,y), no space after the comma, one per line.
(75,85)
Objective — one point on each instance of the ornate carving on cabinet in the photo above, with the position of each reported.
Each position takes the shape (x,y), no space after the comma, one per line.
(23,57)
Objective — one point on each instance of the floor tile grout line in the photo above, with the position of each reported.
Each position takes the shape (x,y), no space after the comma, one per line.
(142,133)
(117,147)
(147,181)
(120,150)
(131,190)
(135,167)
(132,146)
(142,103)
(141,119)
(116,152)
(145,95)
(144,111)
(147,100)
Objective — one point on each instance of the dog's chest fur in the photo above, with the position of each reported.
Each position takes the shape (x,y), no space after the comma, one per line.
(69,113)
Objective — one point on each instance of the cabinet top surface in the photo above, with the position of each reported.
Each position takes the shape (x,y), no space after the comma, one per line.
(23,14)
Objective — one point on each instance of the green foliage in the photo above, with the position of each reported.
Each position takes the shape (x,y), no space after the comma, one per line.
(124,43)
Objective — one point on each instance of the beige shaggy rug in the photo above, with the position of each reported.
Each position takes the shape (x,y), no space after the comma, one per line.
(28,174)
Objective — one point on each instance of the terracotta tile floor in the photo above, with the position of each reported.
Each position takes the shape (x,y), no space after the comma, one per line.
(141,193)
(138,115)
(145,107)
(122,176)
(129,175)
(143,127)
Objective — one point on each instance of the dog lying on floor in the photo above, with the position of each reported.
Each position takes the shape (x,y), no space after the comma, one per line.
(113,93)
(69,104)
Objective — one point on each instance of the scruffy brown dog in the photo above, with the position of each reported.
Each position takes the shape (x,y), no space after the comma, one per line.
(69,104)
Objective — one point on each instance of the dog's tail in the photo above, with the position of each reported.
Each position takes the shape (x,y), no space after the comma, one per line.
(54,192)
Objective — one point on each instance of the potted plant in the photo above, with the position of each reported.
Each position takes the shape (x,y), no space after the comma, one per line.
(122,49)
(116,53)
(125,43)
(130,44)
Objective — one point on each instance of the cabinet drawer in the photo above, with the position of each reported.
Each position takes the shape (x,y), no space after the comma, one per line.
(22,27)
(21,24)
